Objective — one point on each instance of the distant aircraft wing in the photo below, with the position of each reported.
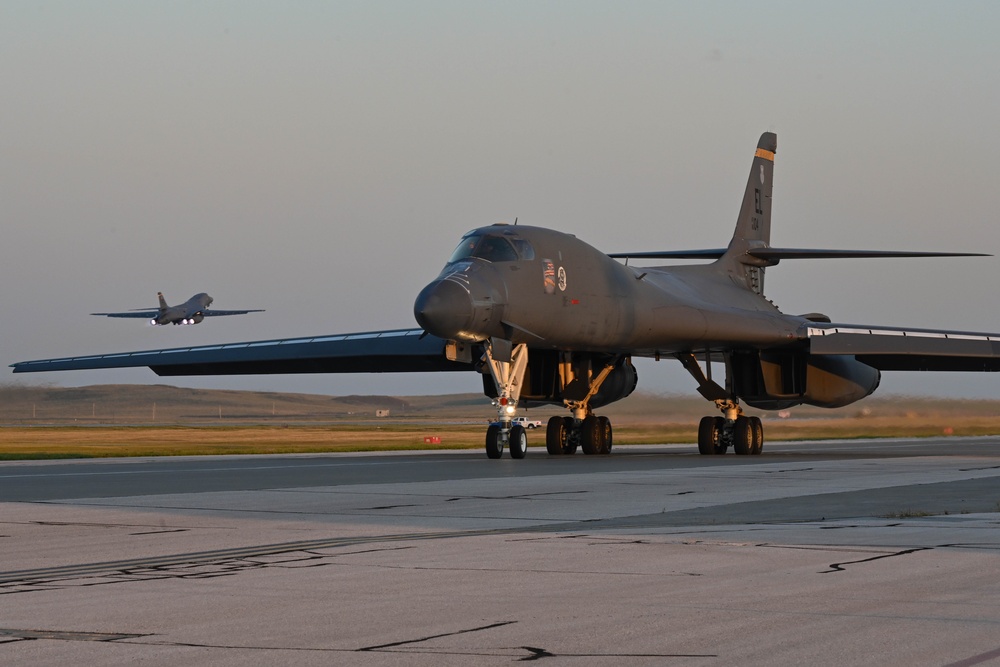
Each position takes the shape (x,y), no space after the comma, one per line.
(395,351)
(219,313)
(894,349)
(145,314)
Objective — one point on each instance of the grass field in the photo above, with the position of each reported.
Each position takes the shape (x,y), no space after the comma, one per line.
(84,442)
(45,422)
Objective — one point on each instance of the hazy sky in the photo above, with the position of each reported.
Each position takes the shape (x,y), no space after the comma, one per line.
(321,159)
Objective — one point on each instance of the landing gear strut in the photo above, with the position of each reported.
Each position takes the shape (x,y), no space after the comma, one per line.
(584,429)
(507,364)
(734,429)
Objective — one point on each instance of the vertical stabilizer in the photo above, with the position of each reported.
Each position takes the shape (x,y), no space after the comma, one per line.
(163,302)
(753,226)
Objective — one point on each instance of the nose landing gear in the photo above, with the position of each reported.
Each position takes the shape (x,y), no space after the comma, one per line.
(507,365)
(515,438)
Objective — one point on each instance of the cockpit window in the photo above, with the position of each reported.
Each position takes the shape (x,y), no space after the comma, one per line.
(485,246)
(524,249)
(465,248)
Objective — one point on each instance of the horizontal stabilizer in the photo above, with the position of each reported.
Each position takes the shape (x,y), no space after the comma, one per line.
(777,254)
(709,253)
(814,253)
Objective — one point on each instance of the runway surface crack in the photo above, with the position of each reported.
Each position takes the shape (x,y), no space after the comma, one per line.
(438,636)
(839,567)
(14,634)
(517,496)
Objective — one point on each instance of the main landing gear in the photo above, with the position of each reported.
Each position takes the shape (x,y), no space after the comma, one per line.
(734,429)
(717,434)
(584,429)
(563,435)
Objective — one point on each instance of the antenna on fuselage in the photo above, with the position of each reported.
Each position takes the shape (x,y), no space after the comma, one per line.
(515,221)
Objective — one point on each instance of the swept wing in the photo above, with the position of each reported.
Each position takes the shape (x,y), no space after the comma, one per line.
(897,349)
(394,351)
(144,314)
(413,350)
(218,313)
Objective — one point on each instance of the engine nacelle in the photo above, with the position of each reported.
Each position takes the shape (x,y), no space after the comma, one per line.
(779,379)
(552,378)
(619,384)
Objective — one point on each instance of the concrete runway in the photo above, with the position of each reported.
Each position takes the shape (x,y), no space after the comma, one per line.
(846,553)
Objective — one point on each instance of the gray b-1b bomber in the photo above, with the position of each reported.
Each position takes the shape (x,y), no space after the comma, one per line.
(547,319)
(192,311)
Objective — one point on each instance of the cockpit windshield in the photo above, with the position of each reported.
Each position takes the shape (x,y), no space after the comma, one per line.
(492,248)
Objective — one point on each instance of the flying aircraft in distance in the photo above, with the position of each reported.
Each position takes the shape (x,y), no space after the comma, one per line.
(192,311)
(547,319)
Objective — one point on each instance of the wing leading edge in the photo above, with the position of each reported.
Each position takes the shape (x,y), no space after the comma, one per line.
(394,351)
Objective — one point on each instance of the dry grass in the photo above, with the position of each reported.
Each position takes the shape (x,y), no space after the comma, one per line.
(70,442)
(61,442)
(160,420)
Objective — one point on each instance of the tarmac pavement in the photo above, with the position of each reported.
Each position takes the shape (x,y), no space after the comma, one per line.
(847,554)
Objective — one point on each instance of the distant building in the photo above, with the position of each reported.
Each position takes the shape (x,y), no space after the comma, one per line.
(381,413)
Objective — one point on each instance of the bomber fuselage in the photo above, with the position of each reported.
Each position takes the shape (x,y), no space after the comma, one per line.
(189,312)
(549,289)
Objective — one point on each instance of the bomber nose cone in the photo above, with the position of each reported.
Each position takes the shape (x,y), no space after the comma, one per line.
(444,308)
